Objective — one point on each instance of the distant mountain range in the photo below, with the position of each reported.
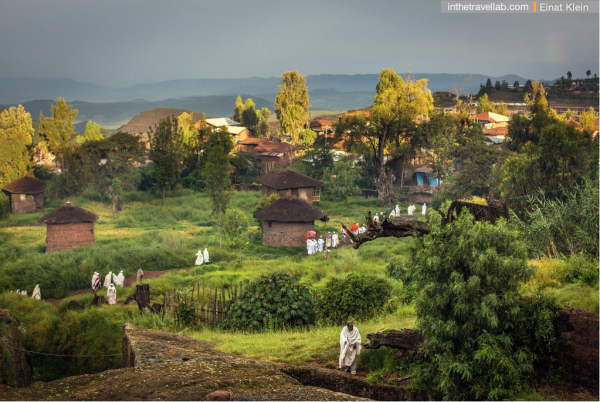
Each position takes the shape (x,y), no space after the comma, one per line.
(112,107)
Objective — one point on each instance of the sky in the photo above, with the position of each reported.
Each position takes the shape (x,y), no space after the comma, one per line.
(120,43)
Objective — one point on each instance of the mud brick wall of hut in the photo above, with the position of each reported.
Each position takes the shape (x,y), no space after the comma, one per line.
(22,203)
(63,236)
(289,234)
(577,351)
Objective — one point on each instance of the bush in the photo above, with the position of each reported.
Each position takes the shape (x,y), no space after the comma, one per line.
(535,326)
(355,296)
(468,308)
(272,301)
(557,272)
(399,270)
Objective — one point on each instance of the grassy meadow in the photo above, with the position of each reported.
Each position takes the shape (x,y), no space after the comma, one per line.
(167,238)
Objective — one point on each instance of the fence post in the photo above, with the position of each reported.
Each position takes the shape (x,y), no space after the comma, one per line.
(215,309)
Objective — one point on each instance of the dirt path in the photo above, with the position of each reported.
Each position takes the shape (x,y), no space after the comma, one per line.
(126,284)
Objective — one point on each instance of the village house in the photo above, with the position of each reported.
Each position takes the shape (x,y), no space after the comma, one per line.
(491,120)
(68,226)
(442,94)
(290,183)
(238,132)
(423,176)
(286,221)
(495,136)
(26,194)
(321,126)
(268,154)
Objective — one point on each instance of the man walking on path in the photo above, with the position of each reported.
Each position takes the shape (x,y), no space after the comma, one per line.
(350,344)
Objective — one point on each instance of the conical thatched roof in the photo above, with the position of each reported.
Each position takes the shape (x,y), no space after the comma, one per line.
(290,209)
(68,213)
(288,179)
(26,185)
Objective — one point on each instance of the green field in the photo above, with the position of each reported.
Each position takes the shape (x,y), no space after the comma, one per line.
(163,238)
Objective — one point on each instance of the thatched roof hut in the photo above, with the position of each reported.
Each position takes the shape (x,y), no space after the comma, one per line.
(68,226)
(291,183)
(286,221)
(26,194)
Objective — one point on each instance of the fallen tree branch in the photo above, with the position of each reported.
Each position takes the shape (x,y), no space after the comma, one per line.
(402,227)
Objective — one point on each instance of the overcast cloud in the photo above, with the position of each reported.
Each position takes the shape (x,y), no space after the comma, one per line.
(118,43)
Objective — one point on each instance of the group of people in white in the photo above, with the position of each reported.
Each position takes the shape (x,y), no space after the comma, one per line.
(314,245)
(110,281)
(202,257)
(412,209)
(35,295)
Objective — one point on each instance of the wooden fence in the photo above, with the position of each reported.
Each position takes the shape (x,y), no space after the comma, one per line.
(209,303)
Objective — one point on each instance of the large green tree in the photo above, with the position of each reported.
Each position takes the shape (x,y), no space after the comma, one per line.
(93,132)
(263,125)
(468,308)
(216,173)
(291,104)
(341,181)
(16,133)
(58,132)
(380,136)
(438,137)
(166,152)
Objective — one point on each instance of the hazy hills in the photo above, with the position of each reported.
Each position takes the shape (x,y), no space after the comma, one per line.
(114,107)
(115,114)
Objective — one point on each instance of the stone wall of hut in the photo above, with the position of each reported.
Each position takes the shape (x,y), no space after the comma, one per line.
(290,234)
(22,203)
(63,236)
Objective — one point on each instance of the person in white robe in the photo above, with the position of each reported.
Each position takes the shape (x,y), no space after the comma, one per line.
(397,211)
(328,240)
(334,240)
(24,292)
(362,229)
(321,242)
(112,294)
(108,280)
(36,293)
(120,279)
(376,219)
(315,246)
(410,210)
(96,281)
(140,274)
(350,346)
(392,215)
(308,246)
(206,255)
(343,235)
(199,258)
(424,209)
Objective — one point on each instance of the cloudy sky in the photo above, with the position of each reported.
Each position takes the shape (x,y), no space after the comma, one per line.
(118,43)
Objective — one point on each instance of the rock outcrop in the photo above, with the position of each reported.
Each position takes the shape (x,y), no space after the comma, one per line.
(15,364)
(161,365)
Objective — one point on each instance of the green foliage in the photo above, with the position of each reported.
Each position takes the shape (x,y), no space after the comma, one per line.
(341,181)
(400,270)
(166,152)
(291,104)
(535,326)
(272,301)
(439,136)
(216,171)
(245,166)
(567,226)
(469,274)
(58,132)
(186,313)
(355,296)
(235,226)
(306,138)
(16,133)
(92,133)
(314,161)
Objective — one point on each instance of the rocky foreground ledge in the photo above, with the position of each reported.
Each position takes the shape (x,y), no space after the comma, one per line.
(159,365)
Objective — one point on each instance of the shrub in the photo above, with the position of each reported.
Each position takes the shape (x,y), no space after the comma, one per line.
(535,326)
(272,301)
(399,270)
(355,296)
(468,308)
(557,272)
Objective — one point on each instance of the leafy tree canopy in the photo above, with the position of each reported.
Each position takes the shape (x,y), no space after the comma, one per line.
(16,134)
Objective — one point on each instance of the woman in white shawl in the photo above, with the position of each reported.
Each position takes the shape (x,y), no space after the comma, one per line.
(108,280)
(120,279)
(397,211)
(36,293)
(206,255)
(334,240)
(199,258)
(424,209)
(96,281)
(350,344)
(112,294)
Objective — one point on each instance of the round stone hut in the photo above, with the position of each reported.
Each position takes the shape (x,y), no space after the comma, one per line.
(26,194)
(286,221)
(68,226)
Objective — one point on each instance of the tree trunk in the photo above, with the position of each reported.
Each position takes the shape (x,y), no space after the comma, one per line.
(402,176)
(385,195)
(346,201)
(163,200)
